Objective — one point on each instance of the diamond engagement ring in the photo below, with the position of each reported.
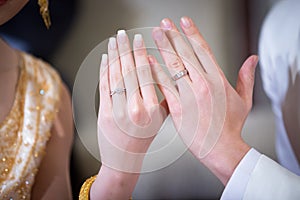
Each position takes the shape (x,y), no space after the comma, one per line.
(180,74)
(117,91)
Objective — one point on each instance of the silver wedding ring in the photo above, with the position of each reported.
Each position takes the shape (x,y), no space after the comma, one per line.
(180,74)
(117,91)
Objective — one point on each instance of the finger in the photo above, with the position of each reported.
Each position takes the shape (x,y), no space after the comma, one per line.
(200,46)
(115,75)
(105,101)
(184,51)
(173,62)
(144,72)
(164,104)
(245,82)
(128,67)
(166,87)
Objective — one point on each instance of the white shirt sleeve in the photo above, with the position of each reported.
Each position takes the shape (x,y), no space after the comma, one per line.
(259,177)
(237,184)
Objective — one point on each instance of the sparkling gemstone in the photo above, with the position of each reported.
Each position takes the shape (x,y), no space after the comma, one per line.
(42,92)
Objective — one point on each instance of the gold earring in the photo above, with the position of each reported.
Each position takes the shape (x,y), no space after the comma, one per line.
(44,11)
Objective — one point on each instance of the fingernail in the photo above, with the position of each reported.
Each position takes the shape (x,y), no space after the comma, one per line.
(255,60)
(166,24)
(104,59)
(121,35)
(112,43)
(151,59)
(186,22)
(138,40)
(157,34)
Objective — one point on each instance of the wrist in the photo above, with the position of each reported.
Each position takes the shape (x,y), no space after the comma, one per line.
(225,157)
(113,184)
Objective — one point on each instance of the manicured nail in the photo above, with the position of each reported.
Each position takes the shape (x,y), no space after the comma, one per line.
(186,22)
(138,40)
(166,24)
(121,35)
(104,59)
(158,34)
(112,43)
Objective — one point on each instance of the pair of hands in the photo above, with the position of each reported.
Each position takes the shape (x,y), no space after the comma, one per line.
(207,112)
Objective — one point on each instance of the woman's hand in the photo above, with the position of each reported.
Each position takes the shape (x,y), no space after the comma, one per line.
(207,112)
(129,116)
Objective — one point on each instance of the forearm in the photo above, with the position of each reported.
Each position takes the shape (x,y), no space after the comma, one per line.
(113,184)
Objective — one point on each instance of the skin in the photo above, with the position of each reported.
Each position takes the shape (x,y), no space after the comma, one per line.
(49,184)
(142,106)
(229,149)
(10,9)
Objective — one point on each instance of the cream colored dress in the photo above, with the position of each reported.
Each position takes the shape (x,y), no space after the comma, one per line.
(25,131)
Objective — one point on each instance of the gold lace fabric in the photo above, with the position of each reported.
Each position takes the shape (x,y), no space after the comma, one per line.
(25,131)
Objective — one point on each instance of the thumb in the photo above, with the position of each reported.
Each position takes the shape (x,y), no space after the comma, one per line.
(245,82)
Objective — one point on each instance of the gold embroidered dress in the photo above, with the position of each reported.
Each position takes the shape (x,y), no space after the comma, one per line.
(25,131)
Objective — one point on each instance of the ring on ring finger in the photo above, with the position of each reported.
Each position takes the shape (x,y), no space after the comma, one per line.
(117,91)
(180,74)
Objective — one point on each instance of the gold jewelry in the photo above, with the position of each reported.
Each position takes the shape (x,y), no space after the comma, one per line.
(86,187)
(44,11)
(84,193)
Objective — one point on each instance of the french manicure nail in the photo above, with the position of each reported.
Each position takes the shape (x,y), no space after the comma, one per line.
(104,59)
(138,40)
(186,22)
(121,35)
(167,24)
(112,43)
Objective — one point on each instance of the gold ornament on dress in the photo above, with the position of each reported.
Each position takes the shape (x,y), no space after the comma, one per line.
(26,129)
(44,11)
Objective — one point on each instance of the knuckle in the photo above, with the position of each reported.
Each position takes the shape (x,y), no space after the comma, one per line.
(126,69)
(175,64)
(205,47)
(136,115)
(116,77)
(202,92)
(186,55)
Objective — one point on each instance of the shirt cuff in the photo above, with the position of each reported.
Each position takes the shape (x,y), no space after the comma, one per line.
(237,184)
